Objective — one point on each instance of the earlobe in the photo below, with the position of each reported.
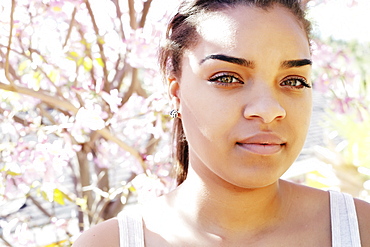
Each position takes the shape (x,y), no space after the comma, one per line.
(174,92)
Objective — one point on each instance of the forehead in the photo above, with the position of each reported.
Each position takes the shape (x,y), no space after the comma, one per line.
(246,29)
(217,27)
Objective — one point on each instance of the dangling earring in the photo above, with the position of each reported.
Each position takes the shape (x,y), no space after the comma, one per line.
(174,113)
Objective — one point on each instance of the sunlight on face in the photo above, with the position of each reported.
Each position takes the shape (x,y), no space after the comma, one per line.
(220,30)
(236,88)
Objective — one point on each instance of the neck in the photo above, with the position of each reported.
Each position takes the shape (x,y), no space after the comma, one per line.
(237,209)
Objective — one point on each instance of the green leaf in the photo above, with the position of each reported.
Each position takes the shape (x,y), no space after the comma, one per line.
(60,196)
(11,173)
(80,61)
(100,61)
(23,65)
(132,189)
(101,40)
(53,75)
(57,244)
(8,171)
(74,54)
(88,64)
(45,196)
(38,77)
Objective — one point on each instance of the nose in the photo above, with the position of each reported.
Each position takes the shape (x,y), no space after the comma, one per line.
(264,106)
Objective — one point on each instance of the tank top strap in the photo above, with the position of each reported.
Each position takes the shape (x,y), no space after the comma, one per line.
(344,223)
(131,233)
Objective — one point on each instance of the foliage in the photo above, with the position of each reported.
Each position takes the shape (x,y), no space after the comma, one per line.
(342,74)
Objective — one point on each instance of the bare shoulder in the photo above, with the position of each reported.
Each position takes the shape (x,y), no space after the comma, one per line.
(307,193)
(363,215)
(105,233)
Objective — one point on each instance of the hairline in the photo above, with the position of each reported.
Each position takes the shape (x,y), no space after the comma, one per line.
(198,17)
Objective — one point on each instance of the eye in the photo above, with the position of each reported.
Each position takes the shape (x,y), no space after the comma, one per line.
(225,79)
(295,82)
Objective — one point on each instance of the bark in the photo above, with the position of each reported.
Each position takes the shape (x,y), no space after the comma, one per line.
(84,180)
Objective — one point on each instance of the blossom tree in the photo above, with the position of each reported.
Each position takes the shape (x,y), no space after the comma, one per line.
(81,99)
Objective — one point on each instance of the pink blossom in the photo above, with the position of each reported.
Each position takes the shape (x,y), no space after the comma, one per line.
(89,118)
(112,99)
(148,187)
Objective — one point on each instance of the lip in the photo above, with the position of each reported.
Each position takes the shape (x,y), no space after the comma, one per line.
(263,144)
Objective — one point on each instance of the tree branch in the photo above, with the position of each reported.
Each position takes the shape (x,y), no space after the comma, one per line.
(132,13)
(16,118)
(84,179)
(4,240)
(132,87)
(120,72)
(41,95)
(15,51)
(38,205)
(109,136)
(9,44)
(101,49)
(119,15)
(70,26)
(60,94)
(46,114)
(145,13)
(88,54)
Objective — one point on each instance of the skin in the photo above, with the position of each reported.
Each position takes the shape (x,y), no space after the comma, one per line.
(233,195)
(216,117)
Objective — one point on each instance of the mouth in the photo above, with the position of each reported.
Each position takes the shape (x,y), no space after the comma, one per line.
(262,148)
(263,144)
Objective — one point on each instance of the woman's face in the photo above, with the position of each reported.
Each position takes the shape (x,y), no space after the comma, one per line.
(244,95)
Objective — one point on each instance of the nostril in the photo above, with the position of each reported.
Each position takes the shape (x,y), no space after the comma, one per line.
(267,117)
(266,111)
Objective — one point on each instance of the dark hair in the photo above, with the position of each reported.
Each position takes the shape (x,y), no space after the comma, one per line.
(181,35)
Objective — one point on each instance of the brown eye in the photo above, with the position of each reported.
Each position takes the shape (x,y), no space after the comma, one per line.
(295,82)
(225,79)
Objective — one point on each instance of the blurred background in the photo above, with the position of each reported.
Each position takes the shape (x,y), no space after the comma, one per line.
(84,125)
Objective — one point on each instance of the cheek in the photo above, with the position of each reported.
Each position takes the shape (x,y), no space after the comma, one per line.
(299,117)
(205,115)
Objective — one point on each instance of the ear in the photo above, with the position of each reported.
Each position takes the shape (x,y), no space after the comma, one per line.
(174,92)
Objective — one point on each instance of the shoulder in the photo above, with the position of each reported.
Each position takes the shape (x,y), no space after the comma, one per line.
(106,232)
(363,215)
(307,194)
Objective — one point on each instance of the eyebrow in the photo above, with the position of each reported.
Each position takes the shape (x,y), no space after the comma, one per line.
(250,64)
(295,63)
(229,59)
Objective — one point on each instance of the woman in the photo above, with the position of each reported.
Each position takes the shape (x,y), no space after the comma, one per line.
(239,78)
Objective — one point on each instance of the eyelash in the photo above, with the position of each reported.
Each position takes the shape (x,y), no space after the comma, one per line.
(216,79)
(303,82)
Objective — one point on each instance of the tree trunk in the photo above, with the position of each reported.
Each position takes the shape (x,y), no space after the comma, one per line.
(83,163)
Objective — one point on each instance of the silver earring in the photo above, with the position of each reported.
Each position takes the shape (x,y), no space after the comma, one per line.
(174,113)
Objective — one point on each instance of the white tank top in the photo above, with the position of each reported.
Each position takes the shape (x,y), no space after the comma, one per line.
(344,224)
